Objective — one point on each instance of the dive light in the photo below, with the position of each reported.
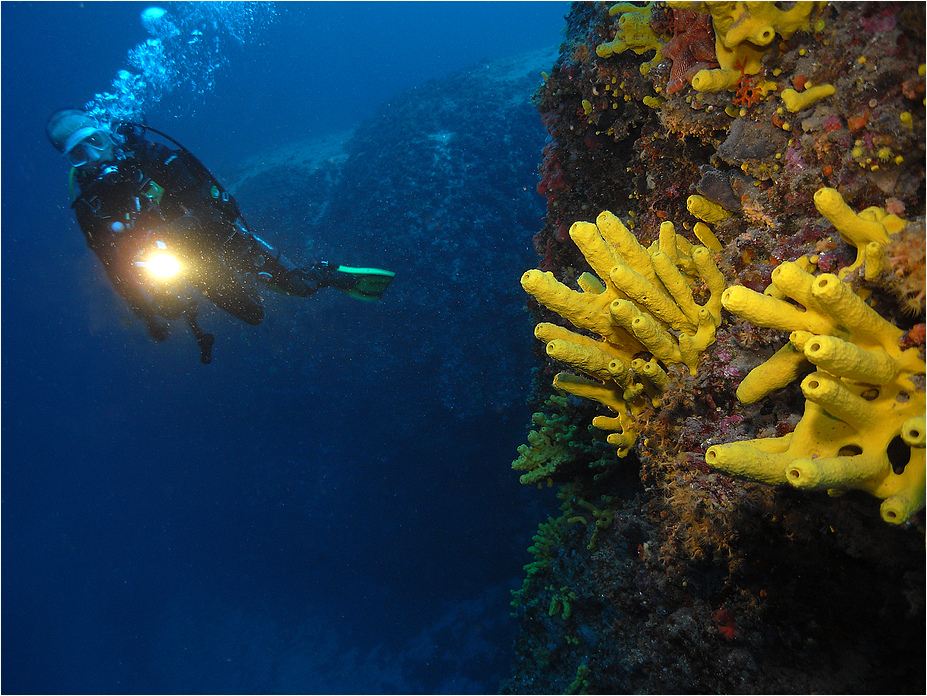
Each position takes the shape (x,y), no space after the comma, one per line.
(161,264)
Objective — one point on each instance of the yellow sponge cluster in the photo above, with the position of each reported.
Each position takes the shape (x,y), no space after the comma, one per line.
(643,305)
(743,32)
(863,426)
(634,33)
(869,231)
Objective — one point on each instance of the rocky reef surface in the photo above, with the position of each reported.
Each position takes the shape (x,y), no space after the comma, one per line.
(727,526)
(676,409)
(439,187)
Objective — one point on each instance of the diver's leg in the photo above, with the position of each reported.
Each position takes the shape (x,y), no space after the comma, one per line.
(203,340)
(224,289)
(272,268)
(279,274)
(207,270)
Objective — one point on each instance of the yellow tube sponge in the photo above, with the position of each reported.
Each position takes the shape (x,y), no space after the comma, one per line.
(759,22)
(707,237)
(744,31)
(780,370)
(796,101)
(706,210)
(634,33)
(717,79)
(640,300)
(863,426)
(869,231)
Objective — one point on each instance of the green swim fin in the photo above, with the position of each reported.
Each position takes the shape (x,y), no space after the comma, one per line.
(362,283)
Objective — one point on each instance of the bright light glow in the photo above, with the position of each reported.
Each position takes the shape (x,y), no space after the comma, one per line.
(163,266)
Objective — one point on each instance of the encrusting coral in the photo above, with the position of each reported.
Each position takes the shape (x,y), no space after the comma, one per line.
(863,426)
(554,443)
(904,256)
(691,49)
(643,295)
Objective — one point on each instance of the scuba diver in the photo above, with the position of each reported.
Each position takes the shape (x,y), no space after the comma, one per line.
(160,223)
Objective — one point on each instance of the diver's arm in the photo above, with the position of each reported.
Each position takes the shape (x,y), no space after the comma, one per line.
(138,300)
(126,284)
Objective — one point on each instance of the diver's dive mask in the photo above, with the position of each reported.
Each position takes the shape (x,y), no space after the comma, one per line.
(87,144)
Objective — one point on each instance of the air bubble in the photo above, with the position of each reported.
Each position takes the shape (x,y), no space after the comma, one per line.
(179,58)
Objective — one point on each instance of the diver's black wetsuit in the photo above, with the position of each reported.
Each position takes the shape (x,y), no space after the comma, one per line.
(154,190)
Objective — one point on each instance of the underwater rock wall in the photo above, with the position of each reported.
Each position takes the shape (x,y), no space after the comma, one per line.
(739,457)
(439,187)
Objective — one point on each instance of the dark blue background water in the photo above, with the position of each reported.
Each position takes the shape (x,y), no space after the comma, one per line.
(168,526)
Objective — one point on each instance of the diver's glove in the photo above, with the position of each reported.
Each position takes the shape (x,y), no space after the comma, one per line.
(361,283)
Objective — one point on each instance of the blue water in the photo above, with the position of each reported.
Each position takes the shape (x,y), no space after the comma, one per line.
(253,525)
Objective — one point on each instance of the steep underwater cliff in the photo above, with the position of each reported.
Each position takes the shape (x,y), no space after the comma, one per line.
(438,187)
(786,144)
(766,136)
